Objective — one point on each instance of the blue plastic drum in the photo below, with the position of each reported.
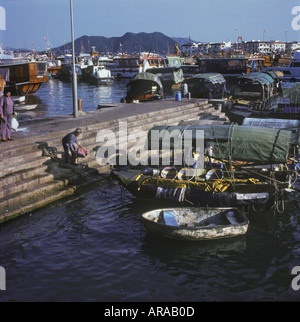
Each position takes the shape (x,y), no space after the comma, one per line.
(178,96)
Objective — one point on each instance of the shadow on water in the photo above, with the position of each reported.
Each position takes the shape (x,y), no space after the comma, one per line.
(165,249)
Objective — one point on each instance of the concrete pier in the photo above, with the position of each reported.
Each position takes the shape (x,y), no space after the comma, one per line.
(32,174)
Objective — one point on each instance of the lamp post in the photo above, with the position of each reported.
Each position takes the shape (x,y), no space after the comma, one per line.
(75,104)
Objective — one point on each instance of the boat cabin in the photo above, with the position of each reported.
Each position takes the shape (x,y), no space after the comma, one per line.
(170,77)
(210,85)
(128,66)
(228,67)
(254,87)
(24,78)
(144,87)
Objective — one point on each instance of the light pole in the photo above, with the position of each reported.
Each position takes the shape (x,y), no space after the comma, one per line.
(75,104)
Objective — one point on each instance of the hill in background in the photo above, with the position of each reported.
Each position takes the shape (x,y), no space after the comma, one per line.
(128,43)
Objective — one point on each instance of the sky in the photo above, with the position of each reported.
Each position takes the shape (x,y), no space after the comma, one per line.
(34,23)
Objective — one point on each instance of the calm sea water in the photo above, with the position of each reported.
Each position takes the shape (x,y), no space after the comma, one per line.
(93,247)
(55,98)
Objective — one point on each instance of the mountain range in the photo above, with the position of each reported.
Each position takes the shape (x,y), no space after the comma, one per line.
(128,43)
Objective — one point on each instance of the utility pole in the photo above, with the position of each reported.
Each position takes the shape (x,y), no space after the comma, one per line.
(75,103)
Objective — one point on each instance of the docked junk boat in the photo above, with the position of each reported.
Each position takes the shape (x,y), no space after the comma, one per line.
(254,95)
(170,77)
(66,72)
(230,68)
(170,74)
(207,85)
(244,166)
(128,66)
(144,87)
(24,77)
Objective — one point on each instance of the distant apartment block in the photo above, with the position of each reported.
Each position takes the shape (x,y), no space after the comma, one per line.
(251,47)
(265,47)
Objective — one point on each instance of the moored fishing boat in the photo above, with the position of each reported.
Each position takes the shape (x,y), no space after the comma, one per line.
(170,77)
(243,165)
(25,107)
(207,85)
(127,66)
(66,72)
(253,94)
(24,78)
(279,106)
(53,66)
(144,87)
(98,75)
(195,224)
(239,113)
(228,67)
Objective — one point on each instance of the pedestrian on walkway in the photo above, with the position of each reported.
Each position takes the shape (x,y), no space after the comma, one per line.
(7,112)
(185,90)
(68,143)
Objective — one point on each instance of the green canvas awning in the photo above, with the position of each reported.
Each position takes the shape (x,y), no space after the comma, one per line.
(147,76)
(238,143)
(262,78)
(214,78)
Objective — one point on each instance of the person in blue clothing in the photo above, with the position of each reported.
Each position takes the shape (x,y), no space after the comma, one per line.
(68,143)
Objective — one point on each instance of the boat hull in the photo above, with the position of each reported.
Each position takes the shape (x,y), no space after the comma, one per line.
(100,81)
(202,194)
(196,224)
(236,115)
(24,89)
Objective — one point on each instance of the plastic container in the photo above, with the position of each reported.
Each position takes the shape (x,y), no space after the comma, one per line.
(178,96)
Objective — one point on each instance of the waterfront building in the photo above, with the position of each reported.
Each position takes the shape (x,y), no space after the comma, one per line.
(292,46)
(191,49)
(215,47)
(252,47)
(264,47)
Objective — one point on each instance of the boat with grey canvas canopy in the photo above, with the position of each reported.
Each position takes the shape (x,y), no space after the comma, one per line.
(196,223)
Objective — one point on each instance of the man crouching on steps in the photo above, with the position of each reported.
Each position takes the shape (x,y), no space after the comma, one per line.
(68,144)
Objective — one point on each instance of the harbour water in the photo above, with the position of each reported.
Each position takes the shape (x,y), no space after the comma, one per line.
(56,98)
(93,247)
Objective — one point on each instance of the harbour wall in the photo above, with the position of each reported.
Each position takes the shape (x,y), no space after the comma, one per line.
(32,171)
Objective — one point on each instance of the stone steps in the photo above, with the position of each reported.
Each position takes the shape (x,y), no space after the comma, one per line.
(29,180)
(17,164)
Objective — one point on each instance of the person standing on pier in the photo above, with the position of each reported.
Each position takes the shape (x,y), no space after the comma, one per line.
(185,90)
(7,112)
(68,143)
